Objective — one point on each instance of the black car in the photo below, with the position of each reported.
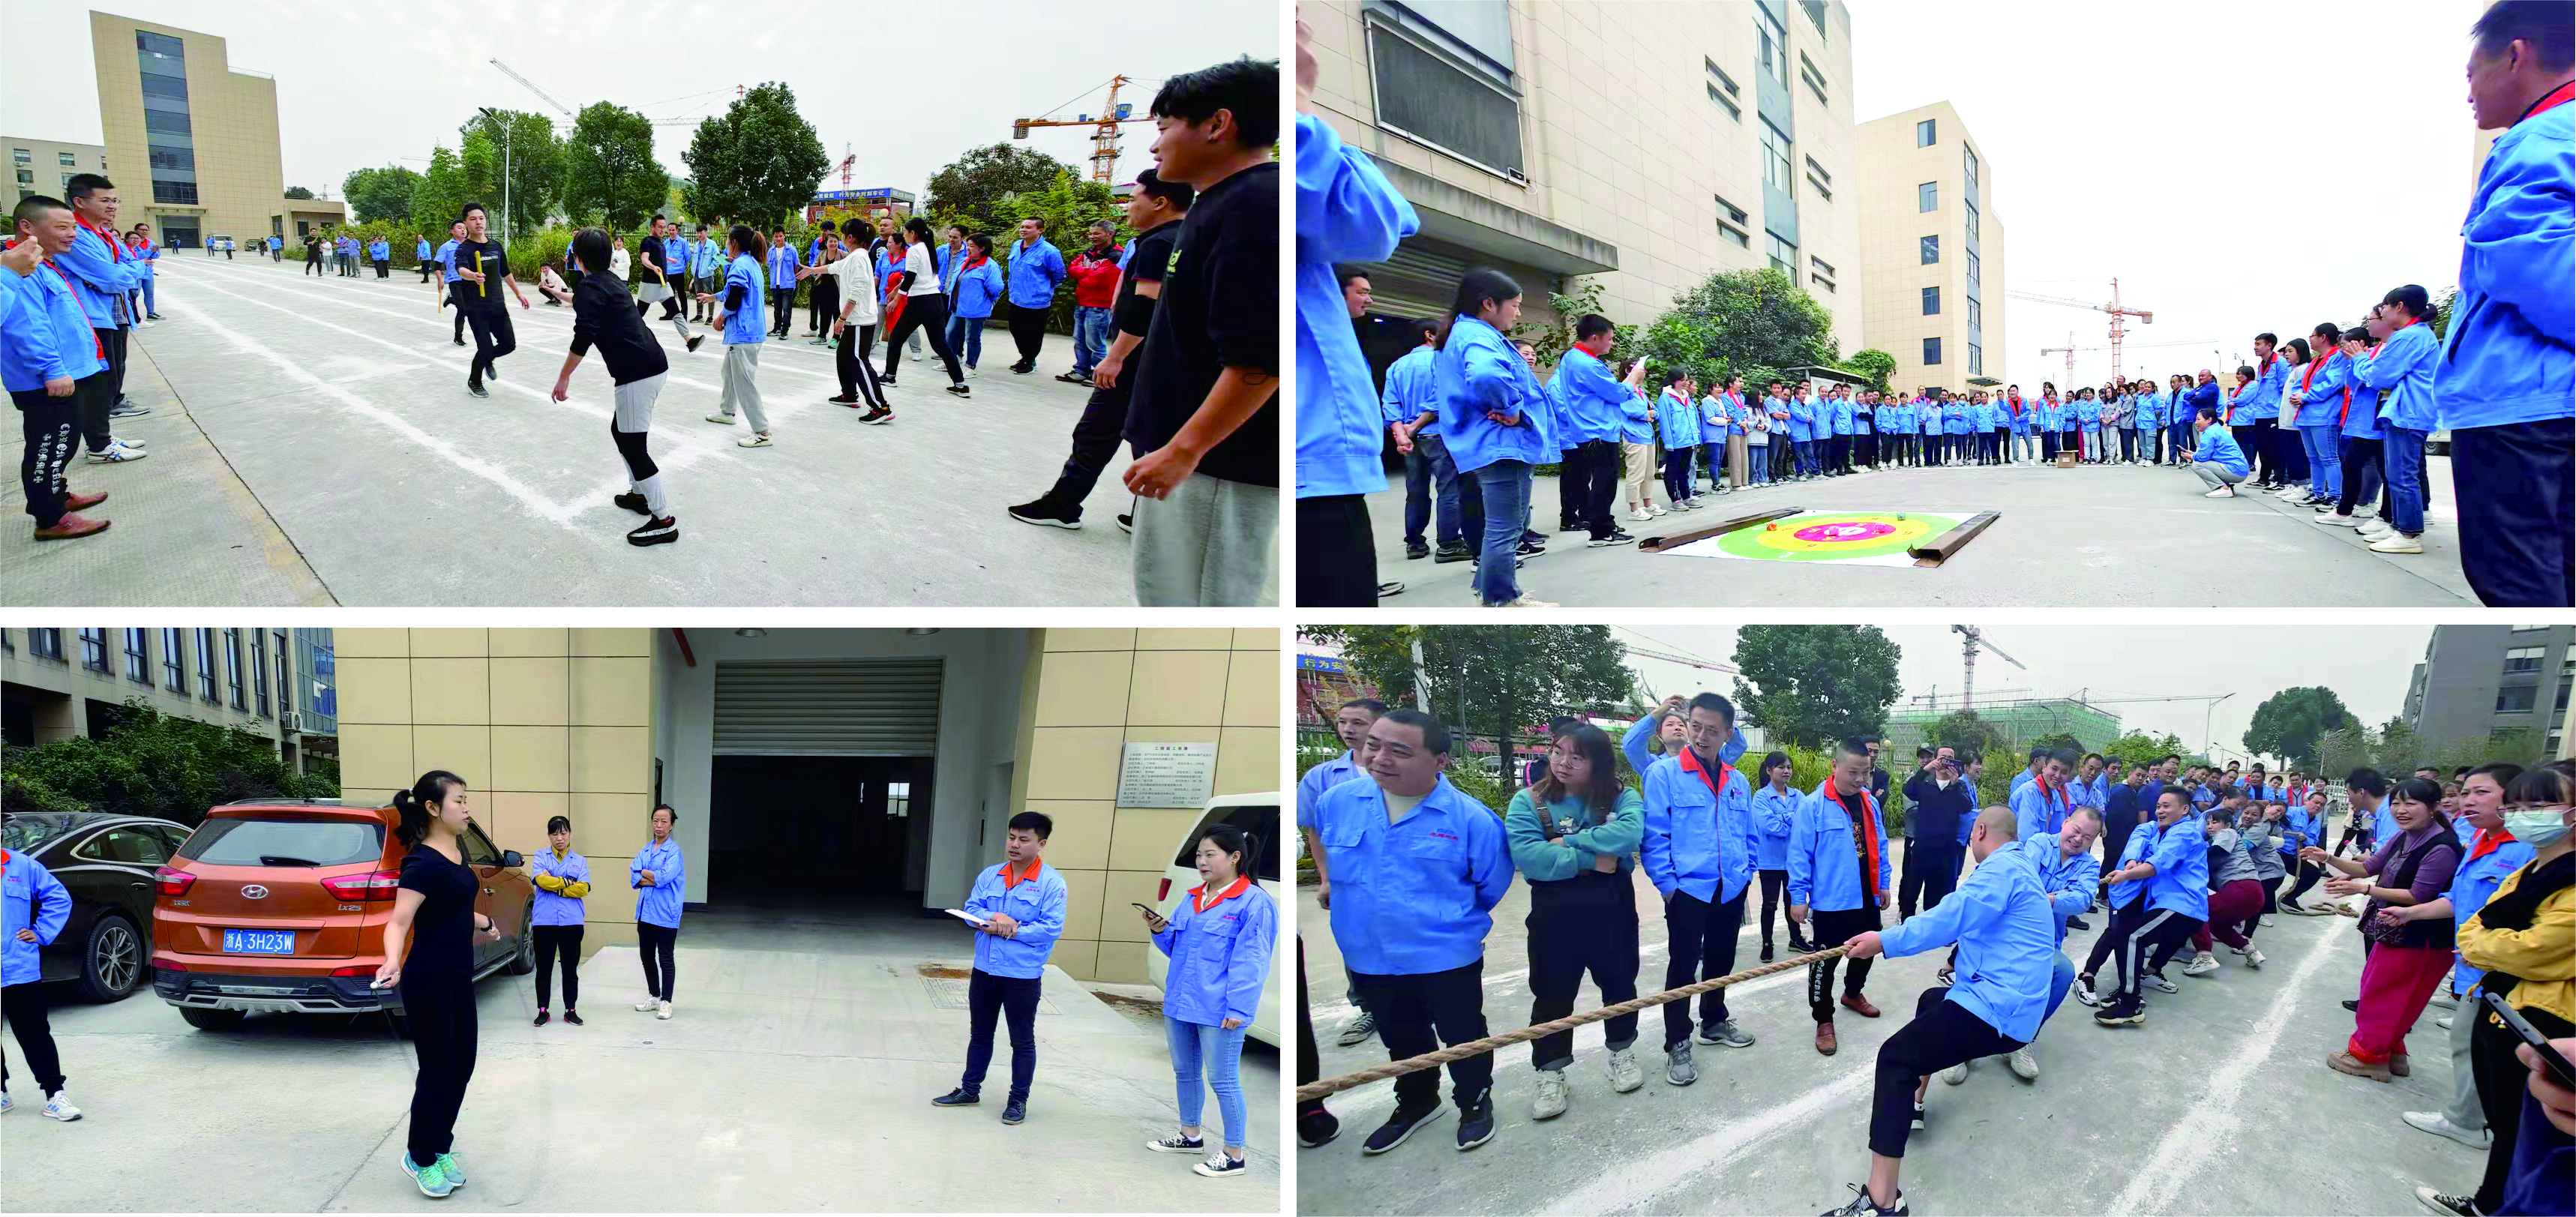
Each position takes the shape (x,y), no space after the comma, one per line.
(106,862)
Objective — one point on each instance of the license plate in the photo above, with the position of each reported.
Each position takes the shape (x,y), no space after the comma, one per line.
(259,942)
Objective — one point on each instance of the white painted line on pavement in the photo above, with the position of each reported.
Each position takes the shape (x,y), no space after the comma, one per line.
(1633,1185)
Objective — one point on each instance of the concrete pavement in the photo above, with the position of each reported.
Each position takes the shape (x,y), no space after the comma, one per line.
(2220,1104)
(2108,536)
(341,461)
(796,1075)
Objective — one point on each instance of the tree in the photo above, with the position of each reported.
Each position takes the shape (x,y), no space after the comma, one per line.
(1967,735)
(440,196)
(2055,740)
(1749,323)
(152,764)
(2288,723)
(379,194)
(1065,205)
(757,161)
(1492,682)
(1873,363)
(976,183)
(610,167)
(524,145)
(1552,341)
(1815,684)
(2443,302)
(2141,749)
(298,192)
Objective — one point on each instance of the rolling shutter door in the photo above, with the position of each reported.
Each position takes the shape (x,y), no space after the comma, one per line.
(1417,282)
(834,707)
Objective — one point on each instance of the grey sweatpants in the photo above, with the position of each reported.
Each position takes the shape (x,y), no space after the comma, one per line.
(741,392)
(2216,475)
(1210,544)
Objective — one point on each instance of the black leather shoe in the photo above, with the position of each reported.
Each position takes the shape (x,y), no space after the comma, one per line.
(960,1097)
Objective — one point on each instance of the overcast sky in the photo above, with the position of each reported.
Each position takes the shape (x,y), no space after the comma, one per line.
(372,84)
(2240,167)
(2368,666)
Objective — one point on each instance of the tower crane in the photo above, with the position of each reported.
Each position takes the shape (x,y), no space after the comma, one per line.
(2070,349)
(1972,639)
(2119,318)
(1104,136)
(531,87)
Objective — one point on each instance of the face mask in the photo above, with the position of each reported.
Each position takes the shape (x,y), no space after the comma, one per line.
(2539,828)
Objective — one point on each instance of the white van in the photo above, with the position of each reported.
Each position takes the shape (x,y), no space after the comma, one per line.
(1258,816)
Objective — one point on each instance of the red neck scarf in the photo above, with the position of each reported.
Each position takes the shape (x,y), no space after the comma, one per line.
(100,348)
(1868,838)
(115,247)
(1201,903)
(2553,99)
(2490,839)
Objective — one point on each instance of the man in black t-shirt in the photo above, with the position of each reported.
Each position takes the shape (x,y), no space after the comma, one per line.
(1154,212)
(482,269)
(1204,414)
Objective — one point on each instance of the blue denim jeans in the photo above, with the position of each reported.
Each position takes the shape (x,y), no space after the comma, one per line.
(1090,338)
(2404,455)
(1199,1050)
(1505,490)
(1807,465)
(1429,476)
(966,338)
(1714,456)
(1757,464)
(2061,977)
(2324,442)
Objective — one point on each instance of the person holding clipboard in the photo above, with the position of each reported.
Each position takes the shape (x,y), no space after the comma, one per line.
(1219,941)
(1018,910)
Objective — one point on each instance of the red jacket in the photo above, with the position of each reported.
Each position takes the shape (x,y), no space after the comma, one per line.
(1095,280)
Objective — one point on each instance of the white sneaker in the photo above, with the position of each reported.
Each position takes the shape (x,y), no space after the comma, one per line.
(663,1011)
(2201,965)
(2440,1125)
(2338,520)
(2443,1022)
(1653,510)
(757,439)
(1955,1074)
(2024,1065)
(1549,1102)
(2223,492)
(917,356)
(2263,922)
(128,442)
(2254,957)
(1625,1073)
(1639,517)
(726,419)
(6,1102)
(2398,543)
(116,454)
(1525,602)
(60,1107)
(648,1005)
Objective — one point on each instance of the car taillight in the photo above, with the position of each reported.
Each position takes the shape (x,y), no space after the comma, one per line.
(167,964)
(374,885)
(174,882)
(1164,892)
(360,969)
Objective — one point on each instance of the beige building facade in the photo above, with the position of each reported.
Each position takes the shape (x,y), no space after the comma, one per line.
(1932,251)
(839,770)
(1640,146)
(44,166)
(273,682)
(191,140)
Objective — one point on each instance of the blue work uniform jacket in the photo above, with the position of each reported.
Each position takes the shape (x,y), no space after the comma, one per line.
(1636,420)
(2088,414)
(1715,420)
(1802,418)
(781,265)
(2069,882)
(1220,954)
(105,272)
(554,908)
(1700,837)
(2141,846)
(1323,777)
(2150,411)
(2510,353)
(1477,372)
(1824,870)
(1346,212)
(1999,917)
(2262,399)
(1417,895)
(377,251)
(1588,397)
(748,323)
(2040,811)
(1841,409)
(1036,269)
(43,333)
(30,899)
(1954,417)
(1862,422)
(2403,365)
(1930,414)
(2181,881)
(424,252)
(1633,746)
(2473,884)
(1678,419)
(447,262)
(1034,897)
(1775,813)
(976,288)
(1410,391)
(2217,445)
(2321,395)
(658,902)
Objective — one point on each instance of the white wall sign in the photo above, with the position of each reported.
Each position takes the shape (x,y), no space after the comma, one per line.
(1167,775)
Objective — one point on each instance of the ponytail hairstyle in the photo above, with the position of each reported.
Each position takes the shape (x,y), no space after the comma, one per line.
(2411,297)
(1481,285)
(411,807)
(744,240)
(919,230)
(1775,760)
(1231,840)
(2329,334)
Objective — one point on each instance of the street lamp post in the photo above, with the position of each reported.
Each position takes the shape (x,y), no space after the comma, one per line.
(2206,743)
(505,172)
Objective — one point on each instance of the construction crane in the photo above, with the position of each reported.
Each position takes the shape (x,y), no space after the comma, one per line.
(2070,349)
(2119,318)
(531,87)
(1104,136)
(1973,639)
(848,159)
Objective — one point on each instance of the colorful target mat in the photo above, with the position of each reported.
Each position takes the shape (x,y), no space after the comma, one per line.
(1854,538)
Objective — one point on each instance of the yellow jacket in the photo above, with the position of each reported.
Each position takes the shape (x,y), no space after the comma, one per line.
(2543,957)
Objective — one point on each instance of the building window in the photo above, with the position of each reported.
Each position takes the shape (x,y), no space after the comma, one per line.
(1775,160)
(1931,302)
(45,644)
(1971,209)
(207,675)
(1927,197)
(898,800)
(1924,133)
(2563,687)
(138,656)
(1726,103)
(2517,699)
(1774,61)
(2523,659)
(1732,223)
(1931,250)
(68,159)
(7,647)
(1821,180)
(1931,352)
(285,681)
(259,671)
(26,177)
(1815,13)
(1971,163)
(21,155)
(1976,359)
(165,157)
(1820,272)
(1815,77)
(1974,263)
(94,651)
(233,656)
(174,661)
(1723,90)
(1430,98)
(173,192)
(165,122)
(1784,256)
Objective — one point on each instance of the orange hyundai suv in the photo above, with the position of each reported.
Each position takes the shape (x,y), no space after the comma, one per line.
(281,905)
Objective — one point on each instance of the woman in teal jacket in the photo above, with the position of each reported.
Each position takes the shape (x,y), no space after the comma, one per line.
(1574,836)
(1219,939)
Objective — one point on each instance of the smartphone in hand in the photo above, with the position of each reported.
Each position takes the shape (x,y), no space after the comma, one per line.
(2560,1069)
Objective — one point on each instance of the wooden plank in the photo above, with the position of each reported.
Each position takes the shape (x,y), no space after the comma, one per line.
(1951,542)
(1673,540)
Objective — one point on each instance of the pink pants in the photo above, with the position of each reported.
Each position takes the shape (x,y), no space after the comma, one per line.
(2395,985)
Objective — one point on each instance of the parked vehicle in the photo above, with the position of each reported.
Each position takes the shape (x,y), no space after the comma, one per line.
(281,905)
(1258,816)
(107,863)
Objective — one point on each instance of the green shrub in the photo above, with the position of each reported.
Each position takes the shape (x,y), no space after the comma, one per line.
(153,764)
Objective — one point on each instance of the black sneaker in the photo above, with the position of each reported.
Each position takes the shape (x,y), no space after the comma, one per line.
(1531,549)
(1416,549)
(1400,1126)
(1023,369)
(1178,1145)
(1572,527)
(460,342)
(886,382)
(1317,1127)
(491,371)
(877,414)
(2352,1005)
(1616,537)
(960,1097)
(961,389)
(573,1017)
(2124,1011)
(1044,511)
(474,386)
(2462,1206)
(695,339)
(1476,1122)
(1766,952)
(1015,1111)
(2078,923)
(542,1017)
(1453,553)
(1391,587)
(654,532)
(1532,536)
(1799,944)
(632,502)
(1074,378)
(1918,1115)
(1127,523)
(844,399)
(1862,1206)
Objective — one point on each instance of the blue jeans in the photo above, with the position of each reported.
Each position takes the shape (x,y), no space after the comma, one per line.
(2061,977)
(148,307)
(1090,338)
(1197,1047)
(1505,488)
(2180,438)
(1807,466)
(1429,476)
(1716,459)
(2404,455)
(966,338)
(2324,443)
(1757,465)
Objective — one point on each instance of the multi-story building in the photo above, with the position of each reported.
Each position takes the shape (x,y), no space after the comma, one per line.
(191,140)
(1645,145)
(1932,251)
(827,769)
(276,683)
(2020,721)
(2496,685)
(44,166)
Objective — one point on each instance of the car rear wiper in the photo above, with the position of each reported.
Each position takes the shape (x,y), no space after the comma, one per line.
(283,860)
